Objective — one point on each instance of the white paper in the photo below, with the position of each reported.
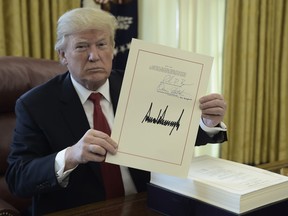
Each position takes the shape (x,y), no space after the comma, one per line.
(158,113)
(226,184)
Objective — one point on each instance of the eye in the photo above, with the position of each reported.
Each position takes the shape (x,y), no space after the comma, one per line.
(102,45)
(81,47)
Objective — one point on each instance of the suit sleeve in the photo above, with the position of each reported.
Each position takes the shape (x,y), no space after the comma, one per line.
(203,138)
(31,169)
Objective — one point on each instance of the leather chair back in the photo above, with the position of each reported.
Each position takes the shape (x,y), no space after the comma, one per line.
(18,75)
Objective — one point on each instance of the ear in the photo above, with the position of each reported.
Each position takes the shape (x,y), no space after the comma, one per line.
(62,57)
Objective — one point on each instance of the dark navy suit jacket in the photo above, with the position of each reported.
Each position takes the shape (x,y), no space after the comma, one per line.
(50,118)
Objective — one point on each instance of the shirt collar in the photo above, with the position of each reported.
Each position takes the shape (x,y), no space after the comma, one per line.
(84,93)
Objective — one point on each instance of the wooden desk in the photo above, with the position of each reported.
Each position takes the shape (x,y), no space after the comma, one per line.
(124,206)
(134,204)
(277,166)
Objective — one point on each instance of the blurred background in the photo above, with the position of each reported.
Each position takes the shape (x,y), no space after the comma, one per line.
(248,40)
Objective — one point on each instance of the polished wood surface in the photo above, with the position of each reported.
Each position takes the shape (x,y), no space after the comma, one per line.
(129,205)
(277,166)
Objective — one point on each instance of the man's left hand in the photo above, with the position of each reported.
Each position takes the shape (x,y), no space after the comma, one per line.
(213,107)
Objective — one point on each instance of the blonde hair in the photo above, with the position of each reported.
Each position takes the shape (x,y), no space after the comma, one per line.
(81,19)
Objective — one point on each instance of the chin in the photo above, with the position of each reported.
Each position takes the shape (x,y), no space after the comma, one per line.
(95,84)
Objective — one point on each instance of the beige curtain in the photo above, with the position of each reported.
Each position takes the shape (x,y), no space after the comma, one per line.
(28,27)
(255,71)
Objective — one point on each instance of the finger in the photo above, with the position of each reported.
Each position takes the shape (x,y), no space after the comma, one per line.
(96,149)
(104,144)
(104,136)
(215,111)
(101,139)
(210,97)
(96,158)
(211,105)
(96,153)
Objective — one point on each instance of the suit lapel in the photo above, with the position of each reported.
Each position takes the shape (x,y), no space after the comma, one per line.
(115,80)
(72,110)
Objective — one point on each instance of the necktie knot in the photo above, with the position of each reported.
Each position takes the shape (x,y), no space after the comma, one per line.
(95,98)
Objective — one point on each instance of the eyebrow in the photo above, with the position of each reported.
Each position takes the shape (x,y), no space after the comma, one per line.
(81,40)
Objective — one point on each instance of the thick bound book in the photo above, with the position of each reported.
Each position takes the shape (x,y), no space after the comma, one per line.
(227,185)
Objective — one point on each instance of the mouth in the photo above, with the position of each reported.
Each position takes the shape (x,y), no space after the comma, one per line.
(93,70)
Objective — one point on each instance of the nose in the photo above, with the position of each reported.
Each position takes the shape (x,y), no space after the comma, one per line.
(93,54)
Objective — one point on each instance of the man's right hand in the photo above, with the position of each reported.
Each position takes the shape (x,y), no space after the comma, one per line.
(93,146)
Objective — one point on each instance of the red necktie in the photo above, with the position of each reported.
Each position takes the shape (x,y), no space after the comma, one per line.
(111,173)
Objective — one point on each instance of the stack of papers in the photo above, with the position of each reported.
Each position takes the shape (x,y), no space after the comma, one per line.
(226,184)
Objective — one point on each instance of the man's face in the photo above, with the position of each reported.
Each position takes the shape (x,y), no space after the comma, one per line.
(88,56)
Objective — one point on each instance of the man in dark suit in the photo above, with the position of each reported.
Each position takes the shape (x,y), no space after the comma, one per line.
(55,155)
